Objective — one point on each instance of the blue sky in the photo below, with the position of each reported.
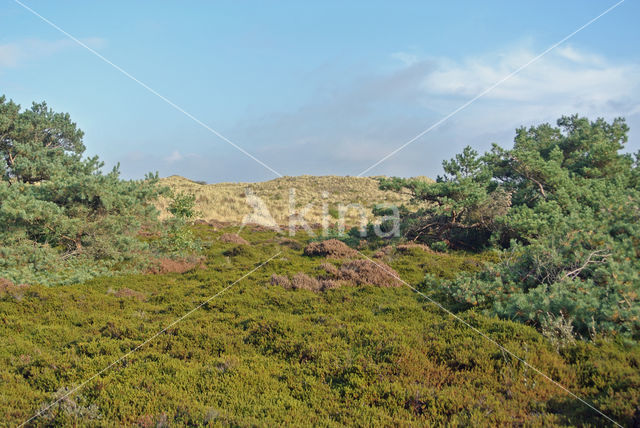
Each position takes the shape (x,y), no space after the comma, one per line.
(316,87)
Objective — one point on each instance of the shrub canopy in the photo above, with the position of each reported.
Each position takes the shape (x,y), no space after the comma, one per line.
(62,219)
(564,207)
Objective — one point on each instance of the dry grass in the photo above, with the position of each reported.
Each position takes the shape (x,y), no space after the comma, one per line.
(353,272)
(302,281)
(330,269)
(281,280)
(410,246)
(330,248)
(366,272)
(227,202)
(230,238)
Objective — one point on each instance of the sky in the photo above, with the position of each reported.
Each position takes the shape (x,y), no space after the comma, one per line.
(316,88)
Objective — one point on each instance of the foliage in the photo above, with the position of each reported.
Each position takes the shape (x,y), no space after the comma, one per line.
(564,203)
(63,220)
(177,239)
(182,206)
(463,203)
(262,355)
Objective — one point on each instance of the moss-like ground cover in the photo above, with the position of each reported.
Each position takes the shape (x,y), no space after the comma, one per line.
(260,355)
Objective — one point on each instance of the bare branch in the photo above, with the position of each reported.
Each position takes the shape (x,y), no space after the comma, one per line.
(597,253)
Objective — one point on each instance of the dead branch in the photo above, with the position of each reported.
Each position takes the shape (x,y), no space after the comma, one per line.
(600,253)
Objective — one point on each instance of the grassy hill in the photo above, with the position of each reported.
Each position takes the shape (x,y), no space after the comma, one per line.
(263,355)
(227,202)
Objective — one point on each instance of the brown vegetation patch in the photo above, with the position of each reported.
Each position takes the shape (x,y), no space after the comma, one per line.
(127,292)
(215,225)
(199,221)
(329,269)
(166,265)
(305,282)
(281,280)
(328,284)
(150,421)
(256,227)
(408,247)
(383,252)
(363,272)
(330,248)
(5,284)
(353,272)
(8,287)
(238,250)
(232,238)
(291,243)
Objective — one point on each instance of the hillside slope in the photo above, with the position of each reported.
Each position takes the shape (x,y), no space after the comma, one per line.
(261,354)
(227,202)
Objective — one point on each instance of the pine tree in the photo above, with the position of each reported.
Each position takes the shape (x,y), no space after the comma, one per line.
(563,205)
(62,219)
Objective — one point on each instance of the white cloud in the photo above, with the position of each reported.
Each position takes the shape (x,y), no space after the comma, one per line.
(567,76)
(565,81)
(572,54)
(353,124)
(175,156)
(352,127)
(405,58)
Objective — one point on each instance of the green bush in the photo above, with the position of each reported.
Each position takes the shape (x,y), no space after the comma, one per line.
(63,220)
(564,205)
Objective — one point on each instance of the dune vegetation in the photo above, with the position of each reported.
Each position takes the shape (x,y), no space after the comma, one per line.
(227,202)
(509,296)
(262,354)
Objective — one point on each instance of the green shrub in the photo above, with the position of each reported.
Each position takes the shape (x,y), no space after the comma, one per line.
(564,206)
(63,220)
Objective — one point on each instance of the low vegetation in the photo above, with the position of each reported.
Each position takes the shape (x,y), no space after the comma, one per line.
(263,354)
(329,248)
